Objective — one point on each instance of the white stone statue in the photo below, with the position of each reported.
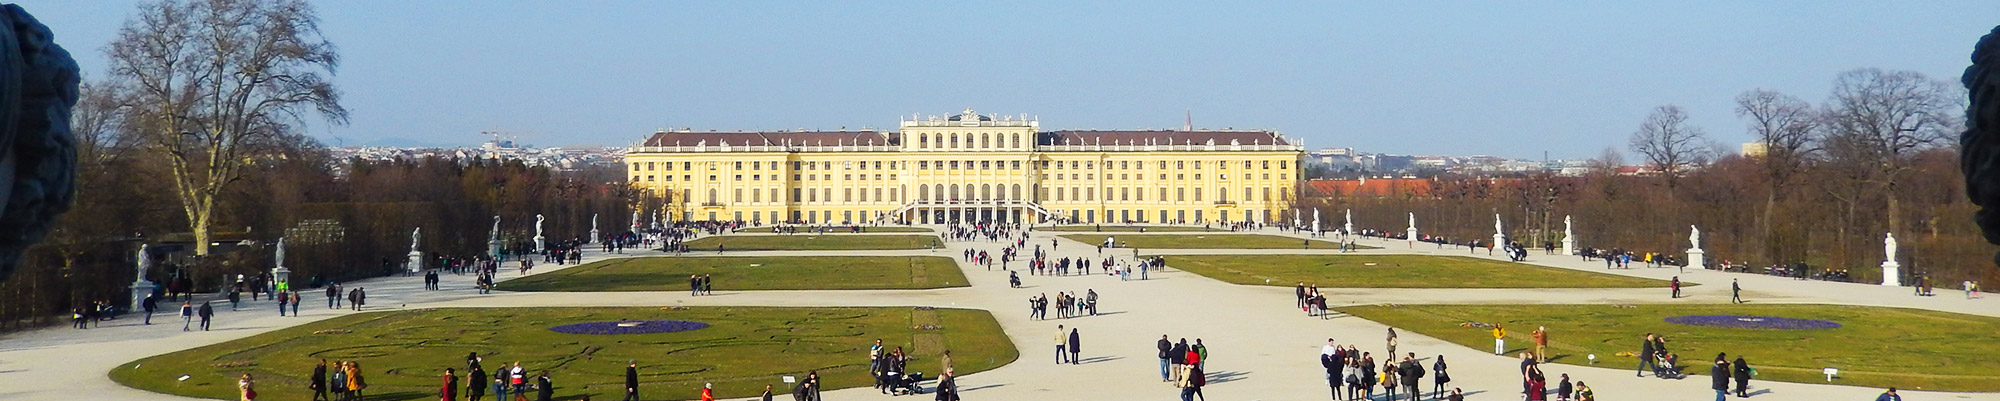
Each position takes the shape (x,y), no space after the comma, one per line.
(416,236)
(1413,220)
(1889,246)
(281,252)
(1497,230)
(1694,236)
(1347,225)
(538,225)
(1566,227)
(593,222)
(146,263)
(635,220)
(495,236)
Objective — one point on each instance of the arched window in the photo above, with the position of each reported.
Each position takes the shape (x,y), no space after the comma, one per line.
(985,192)
(954,140)
(923,141)
(711,195)
(1017,192)
(954,191)
(985,141)
(923,192)
(1016,143)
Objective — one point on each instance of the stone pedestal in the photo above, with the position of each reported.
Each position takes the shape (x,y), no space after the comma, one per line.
(1892,273)
(1499,241)
(1696,258)
(1569,246)
(1411,234)
(538,244)
(416,264)
(593,237)
(140,290)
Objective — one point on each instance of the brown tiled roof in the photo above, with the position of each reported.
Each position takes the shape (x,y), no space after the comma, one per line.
(1373,186)
(797,138)
(1160,137)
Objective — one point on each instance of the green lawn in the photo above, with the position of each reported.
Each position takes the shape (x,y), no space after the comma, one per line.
(403,354)
(1208,241)
(1875,347)
(810,242)
(750,273)
(1113,228)
(1394,271)
(843,229)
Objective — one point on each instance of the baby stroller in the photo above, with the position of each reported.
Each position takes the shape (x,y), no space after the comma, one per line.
(1014,279)
(902,384)
(1667,366)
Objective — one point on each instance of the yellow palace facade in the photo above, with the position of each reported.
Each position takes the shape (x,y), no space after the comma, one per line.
(970,167)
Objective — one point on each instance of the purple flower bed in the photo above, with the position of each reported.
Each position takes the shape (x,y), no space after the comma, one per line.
(629,327)
(1753,322)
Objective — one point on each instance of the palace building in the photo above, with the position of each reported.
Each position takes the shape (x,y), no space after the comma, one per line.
(970,167)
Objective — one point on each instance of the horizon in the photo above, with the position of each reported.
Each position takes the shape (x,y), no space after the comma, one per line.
(1482,78)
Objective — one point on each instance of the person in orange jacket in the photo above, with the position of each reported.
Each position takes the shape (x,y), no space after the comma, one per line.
(707,392)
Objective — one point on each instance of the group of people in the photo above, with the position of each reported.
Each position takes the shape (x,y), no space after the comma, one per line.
(1068,305)
(1185,366)
(1352,374)
(1310,300)
(343,380)
(700,284)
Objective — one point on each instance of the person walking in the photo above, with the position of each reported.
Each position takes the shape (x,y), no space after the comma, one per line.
(1499,339)
(947,387)
(1563,388)
(1646,352)
(1200,351)
(283,301)
(1541,344)
(295,303)
(475,383)
(500,384)
(1166,357)
(148,305)
(317,383)
(206,313)
(632,380)
(544,389)
(1062,343)
(246,388)
(333,296)
(1889,396)
(1735,292)
(1332,363)
(1412,373)
(707,392)
(1075,346)
(1719,379)
(1676,284)
(1741,371)
(1439,375)
(448,391)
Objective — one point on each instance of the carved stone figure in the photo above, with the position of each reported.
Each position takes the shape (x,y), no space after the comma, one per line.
(281,252)
(146,263)
(416,236)
(1889,246)
(1413,220)
(538,225)
(494,236)
(1694,237)
(1979,155)
(1497,230)
(38,89)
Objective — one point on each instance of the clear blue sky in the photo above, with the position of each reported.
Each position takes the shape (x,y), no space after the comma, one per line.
(1507,78)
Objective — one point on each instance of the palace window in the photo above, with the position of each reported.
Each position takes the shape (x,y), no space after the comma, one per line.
(1163,177)
(954,140)
(1246,194)
(985,141)
(711,177)
(648,178)
(1197,194)
(1090,165)
(739,165)
(1163,166)
(1267,194)
(1017,165)
(954,164)
(711,166)
(739,177)
(878,194)
(1163,196)
(985,165)
(848,165)
(847,176)
(739,196)
(1281,164)
(826,165)
(1197,164)
(1016,143)
(847,195)
(923,141)
(684,177)
(1267,164)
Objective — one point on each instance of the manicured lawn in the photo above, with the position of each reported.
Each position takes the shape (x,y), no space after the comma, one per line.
(843,229)
(1875,347)
(1112,228)
(750,273)
(1394,271)
(810,242)
(1208,241)
(403,354)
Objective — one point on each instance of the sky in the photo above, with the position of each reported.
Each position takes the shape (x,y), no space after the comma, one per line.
(1517,79)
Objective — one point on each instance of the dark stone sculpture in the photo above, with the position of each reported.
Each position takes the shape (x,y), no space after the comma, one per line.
(1979,154)
(38,88)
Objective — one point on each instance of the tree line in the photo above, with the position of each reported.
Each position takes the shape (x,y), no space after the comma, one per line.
(1821,185)
(194,135)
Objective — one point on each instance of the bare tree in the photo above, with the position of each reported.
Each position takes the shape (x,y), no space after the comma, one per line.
(1887,116)
(214,79)
(1785,127)
(1669,144)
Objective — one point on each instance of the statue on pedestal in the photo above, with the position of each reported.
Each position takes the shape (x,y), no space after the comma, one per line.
(539,239)
(1889,246)
(593,230)
(281,252)
(1694,237)
(146,264)
(416,236)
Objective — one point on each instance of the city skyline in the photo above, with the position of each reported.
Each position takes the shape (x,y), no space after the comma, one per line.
(1478,78)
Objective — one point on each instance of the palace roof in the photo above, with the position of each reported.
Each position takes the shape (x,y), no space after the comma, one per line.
(1161,137)
(772,138)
